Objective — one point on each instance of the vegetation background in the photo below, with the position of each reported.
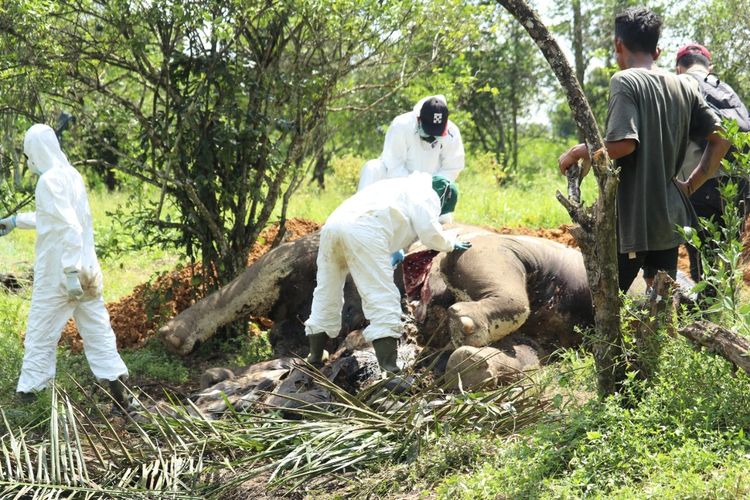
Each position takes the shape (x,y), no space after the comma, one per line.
(197,124)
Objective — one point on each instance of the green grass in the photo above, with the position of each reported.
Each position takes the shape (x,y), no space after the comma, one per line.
(685,439)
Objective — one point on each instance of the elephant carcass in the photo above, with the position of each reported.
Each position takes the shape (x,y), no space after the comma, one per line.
(278,286)
(504,284)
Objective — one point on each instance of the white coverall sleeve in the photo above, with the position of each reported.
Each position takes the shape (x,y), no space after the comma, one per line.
(428,229)
(394,152)
(26,220)
(56,203)
(452,156)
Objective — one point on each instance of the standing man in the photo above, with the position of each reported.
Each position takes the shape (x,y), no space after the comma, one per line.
(67,277)
(422,140)
(359,238)
(652,116)
(694,60)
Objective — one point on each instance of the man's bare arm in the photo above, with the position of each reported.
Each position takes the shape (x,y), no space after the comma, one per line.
(615,150)
(710,161)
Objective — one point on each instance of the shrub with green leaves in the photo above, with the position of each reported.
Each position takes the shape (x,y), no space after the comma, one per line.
(721,249)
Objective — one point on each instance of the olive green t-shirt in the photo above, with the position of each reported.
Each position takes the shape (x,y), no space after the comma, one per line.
(661,111)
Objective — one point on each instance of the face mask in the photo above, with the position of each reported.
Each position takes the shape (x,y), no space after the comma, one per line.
(32,165)
(429,139)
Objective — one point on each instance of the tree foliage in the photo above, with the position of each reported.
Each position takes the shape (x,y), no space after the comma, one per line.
(506,68)
(220,105)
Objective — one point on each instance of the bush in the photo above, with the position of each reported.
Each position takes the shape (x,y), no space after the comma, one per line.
(346,171)
(12,324)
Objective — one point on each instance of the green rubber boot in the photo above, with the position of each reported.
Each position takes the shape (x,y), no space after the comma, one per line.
(123,402)
(386,350)
(318,355)
(26,398)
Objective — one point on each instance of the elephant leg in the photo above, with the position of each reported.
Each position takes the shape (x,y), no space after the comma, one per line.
(478,367)
(502,301)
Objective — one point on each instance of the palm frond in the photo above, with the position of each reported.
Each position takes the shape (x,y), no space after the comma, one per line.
(79,458)
(356,432)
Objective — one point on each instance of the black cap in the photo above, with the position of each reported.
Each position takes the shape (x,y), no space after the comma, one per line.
(434,116)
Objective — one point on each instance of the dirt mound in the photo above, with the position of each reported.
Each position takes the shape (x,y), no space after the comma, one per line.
(560,234)
(136,317)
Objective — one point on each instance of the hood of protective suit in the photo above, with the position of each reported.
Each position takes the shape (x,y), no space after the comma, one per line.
(418,105)
(43,149)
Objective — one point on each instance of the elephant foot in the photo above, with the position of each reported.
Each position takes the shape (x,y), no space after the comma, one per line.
(178,340)
(470,325)
(464,329)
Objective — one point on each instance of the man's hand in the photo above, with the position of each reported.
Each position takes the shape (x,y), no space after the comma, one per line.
(615,151)
(7,225)
(683,186)
(462,245)
(73,285)
(573,156)
(397,258)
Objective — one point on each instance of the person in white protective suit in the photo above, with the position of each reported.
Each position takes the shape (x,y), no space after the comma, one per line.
(67,277)
(422,140)
(360,237)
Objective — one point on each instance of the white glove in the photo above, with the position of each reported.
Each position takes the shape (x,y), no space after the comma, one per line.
(73,285)
(7,225)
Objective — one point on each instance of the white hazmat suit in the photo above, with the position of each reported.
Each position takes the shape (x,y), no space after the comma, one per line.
(359,238)
(404,151)
(67,277)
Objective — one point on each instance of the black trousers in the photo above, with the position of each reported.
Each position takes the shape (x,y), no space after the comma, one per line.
(651,261)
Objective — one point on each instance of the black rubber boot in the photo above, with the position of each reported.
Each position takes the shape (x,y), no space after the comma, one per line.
(386,350)
(26,398)
(119,391)
(318,355)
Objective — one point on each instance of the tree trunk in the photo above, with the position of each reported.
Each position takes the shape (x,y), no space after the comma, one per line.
(256,292)
(595,232)
(719,340)
(578,51)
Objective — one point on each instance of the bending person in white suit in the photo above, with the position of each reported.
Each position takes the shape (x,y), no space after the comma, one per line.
(360,237)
